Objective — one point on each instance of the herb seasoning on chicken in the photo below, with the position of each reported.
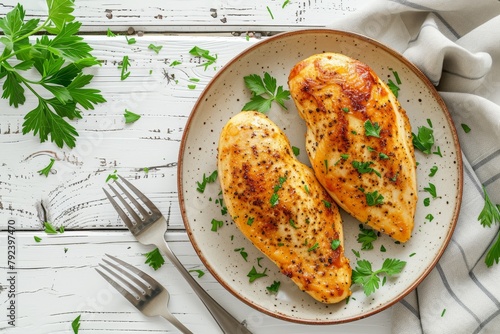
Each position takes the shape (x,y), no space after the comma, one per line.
(278,204)
(358,140)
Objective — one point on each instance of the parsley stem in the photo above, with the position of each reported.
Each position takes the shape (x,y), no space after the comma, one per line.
(37,29)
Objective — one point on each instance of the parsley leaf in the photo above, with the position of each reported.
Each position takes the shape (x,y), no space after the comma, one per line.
(465,127)
(254,274)
(124,67)
(49,228)
(490,214)
(131,40)
(264,92)
(364,167)
(374,198)
(200,272)
(75,325)
(46,170)
(273,288)
(154,259)
(335,244)
(369,279)
(372,129)
(366,237)
(242,252)
(130,117)
(109,33)
(205,54)
(205,180)
(216,224)
(424,139)
(431,189)
(433,171)
(155,48)
(37,239)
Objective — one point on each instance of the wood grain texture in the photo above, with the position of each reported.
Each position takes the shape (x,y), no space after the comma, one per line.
(72,194)
(54,287)
(198,15)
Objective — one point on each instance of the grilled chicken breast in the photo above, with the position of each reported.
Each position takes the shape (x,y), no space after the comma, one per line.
(278,204)
(359,141)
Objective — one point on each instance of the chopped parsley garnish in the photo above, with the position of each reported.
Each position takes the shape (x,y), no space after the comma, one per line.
(258,261)
(431,189)
(113,176)
(124,67)
(285,3)
(429,217)
(374,198)
(372,129)
(383,156)
(412,254)
(427,201)
(216,224)
(364,167)
(275,197)
(366,237)
(242,252)
(75,324)
(130,41)
(292,224)
(191,87)
(433,171)
(327,204)
(253,274)
(200,273)
(130,117)
(396,76)
(109,33)
(306,188)
(382,249)
(442,313)
(270,13)
(205,54)
(326,165)
(155,48)
(313,247)
(356,253)
(344,156)
(264,92)
(46,170)
(175,63)
(345,109)
(296,150)
(49,228)
(393,87)
(210,179)
(438,152)
(37,239)
(424,139)
(466,128)
(369,279)
(273,288)
(154,259)
(490,214)
(335,244)
(250,221)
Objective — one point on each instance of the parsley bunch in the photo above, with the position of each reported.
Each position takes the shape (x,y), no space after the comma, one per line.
(55,67)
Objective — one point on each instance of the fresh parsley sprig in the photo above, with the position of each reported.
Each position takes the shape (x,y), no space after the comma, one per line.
(490,214)
(264,92)
(424,139)
(369,279)
(58,62)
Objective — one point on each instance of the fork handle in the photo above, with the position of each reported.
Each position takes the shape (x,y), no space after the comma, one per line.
(224,319)
(174,321)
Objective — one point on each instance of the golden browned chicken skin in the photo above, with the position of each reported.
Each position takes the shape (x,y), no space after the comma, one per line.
(370,174)
(278,204)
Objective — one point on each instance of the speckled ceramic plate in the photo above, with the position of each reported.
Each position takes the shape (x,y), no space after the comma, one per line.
(226,94)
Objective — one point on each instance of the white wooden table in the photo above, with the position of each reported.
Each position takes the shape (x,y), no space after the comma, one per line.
(55,278)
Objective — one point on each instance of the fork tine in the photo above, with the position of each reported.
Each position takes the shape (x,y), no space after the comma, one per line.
(150,280)
(128,274)
(121,213)
(143,198)
(126,205)
(131,298)
(133,200)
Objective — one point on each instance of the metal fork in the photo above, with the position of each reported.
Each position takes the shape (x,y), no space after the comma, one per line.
(147,295)
(149,229)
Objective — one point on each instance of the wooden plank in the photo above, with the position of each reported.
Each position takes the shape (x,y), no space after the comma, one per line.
(53,287)
(197,15)
(72,194)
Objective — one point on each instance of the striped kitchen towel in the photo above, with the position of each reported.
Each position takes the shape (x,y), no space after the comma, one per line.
(457,45)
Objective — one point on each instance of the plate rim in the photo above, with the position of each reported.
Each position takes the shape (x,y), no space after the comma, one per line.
(456,144)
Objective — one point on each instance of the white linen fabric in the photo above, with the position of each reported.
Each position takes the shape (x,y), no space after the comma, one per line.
(456,43)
